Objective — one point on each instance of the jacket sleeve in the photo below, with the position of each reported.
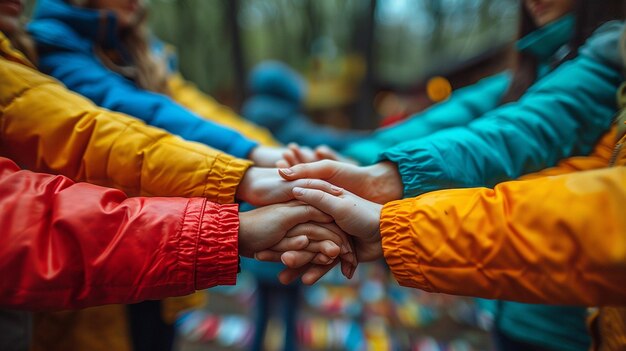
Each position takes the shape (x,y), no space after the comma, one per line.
(69,245)
(563,114)
(49,129)
(556,240)
(462,107)
(84,74)
(190,97)
(600,157)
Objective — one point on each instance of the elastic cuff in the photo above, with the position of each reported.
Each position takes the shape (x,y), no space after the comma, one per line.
(217,258)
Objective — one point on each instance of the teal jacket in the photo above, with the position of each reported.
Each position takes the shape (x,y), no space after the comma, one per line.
(561,115)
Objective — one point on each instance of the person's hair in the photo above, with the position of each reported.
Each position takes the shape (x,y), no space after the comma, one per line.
(24,43)
(146,69)
(589,14)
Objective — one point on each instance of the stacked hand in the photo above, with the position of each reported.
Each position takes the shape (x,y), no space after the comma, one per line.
(293,226)
(337,215)
(352,214)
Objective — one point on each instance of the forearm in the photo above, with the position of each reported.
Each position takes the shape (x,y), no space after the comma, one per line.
(68,245)
(540,241)
(50,129)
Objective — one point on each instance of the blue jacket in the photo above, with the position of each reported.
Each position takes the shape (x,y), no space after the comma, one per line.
(278,94)
(65,37)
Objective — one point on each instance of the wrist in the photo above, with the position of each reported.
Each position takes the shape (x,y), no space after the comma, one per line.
(245,185)
(386,179)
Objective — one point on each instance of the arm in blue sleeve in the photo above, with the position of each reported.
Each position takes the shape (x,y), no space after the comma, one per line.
(461,108)
(562,115)
(85,75)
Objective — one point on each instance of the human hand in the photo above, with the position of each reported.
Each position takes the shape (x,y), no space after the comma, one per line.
(276,227)
(380,183)
(264,186)
(296,154)
(267,156)
(357,217)
(320,251)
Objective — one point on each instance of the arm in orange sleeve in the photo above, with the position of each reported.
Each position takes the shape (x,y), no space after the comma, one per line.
(69,245)
(47,128)
(559,239)
(188,95)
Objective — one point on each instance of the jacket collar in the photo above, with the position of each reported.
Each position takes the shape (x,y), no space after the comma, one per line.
(544,42)
(8,52)
(98,26)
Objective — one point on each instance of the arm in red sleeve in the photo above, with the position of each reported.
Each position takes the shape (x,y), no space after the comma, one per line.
(69,245)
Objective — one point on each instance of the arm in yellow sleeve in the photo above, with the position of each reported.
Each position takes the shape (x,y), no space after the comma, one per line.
(47,128)
(188,95)
(558,239)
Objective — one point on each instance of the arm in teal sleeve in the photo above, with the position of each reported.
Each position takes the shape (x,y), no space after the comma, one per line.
(464,105)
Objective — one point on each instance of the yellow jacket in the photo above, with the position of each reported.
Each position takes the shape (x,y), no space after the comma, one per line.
(540,239)
(188,95)
(47,128)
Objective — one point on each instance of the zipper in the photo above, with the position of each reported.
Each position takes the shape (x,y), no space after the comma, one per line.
(616,150)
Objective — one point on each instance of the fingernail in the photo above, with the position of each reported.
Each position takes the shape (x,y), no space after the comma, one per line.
(255,256)
(336,189)
(283,260)
(298,191)
(286,171)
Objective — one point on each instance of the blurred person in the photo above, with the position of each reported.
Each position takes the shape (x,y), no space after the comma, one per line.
(102,50)
(48,129)
(563,113)
(556,237)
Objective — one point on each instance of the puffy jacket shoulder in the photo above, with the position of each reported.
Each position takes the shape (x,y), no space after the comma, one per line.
(53,34)
(603,46)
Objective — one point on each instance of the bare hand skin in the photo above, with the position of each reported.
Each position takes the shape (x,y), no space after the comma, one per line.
(266,156)
(357,217)
(264,186)
(322,249)
(297,155)
(265,227)
(379,183)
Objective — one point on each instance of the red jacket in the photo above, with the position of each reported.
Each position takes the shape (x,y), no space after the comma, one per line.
(68,245)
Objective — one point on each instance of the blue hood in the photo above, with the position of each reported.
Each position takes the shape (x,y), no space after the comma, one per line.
(52,19)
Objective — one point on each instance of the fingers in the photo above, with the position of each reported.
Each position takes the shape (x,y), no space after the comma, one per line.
(310,273)
(287,276)
(319,232)
(268,256)
(315,272)
(294,243)
(293,215)
(282,164)
(324,152)
(318,170)
(322,200)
